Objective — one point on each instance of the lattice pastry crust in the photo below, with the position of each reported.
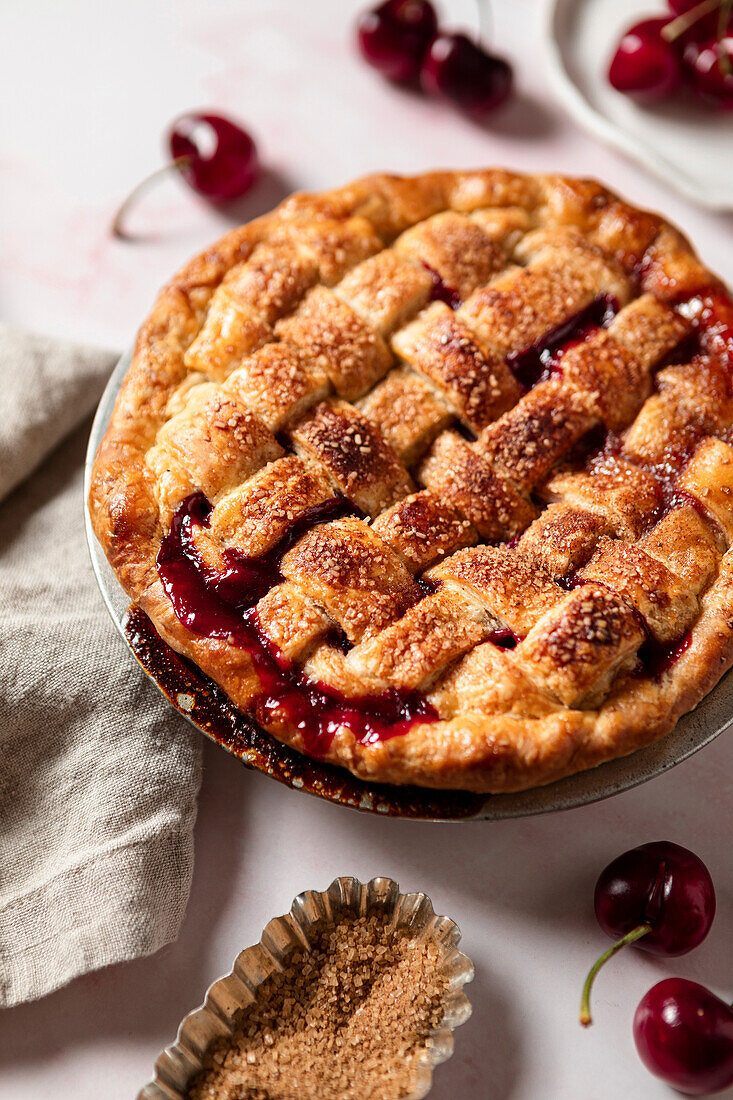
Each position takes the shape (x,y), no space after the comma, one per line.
(446,457)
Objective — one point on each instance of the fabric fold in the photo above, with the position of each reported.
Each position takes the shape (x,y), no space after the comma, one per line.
(48,386)
(98,775)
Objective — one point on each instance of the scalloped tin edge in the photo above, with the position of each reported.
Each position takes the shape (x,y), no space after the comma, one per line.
(178,1064)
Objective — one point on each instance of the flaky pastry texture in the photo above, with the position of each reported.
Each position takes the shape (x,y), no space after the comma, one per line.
(520,384)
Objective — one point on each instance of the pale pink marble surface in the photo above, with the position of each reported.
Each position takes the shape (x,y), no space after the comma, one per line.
(89,89)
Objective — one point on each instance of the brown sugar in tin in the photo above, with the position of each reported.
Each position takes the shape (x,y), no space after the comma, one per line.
(353,995)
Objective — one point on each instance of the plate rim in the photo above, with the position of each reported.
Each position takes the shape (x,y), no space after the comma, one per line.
(597,124)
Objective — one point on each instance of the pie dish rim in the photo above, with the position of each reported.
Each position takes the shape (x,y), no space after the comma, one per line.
(475,752)
(693,732)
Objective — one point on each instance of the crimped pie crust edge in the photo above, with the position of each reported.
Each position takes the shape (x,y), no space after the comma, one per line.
(475,751)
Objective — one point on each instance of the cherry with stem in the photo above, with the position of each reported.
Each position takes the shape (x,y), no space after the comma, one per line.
(630,937)
(457,68)
(646,63)
(118,222)
(401,39)
(659,897)
(215,156)
(700,14)
(656,56)
(460,68)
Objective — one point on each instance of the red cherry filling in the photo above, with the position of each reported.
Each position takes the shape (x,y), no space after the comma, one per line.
(655,659)
(441,292)
(711,312)
(394,36)
(222,606)
(504,638)
(684,1034)
(215,156)
(544,358)
(645,63)
(458,69)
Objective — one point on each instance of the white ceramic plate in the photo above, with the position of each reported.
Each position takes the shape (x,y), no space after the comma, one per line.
(688,146)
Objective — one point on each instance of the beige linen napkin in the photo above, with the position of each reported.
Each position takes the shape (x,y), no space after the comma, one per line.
(98,777)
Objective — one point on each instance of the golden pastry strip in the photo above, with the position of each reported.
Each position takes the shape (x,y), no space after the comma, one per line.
(411,652)
(386,290)
(345,568)
(562,538)
(456,473)
(335,340)
(458,249)
(310,362)
(516,589)
(278,385)
(213,445)
(477,387)
(409,412)
(353,454)
(255,516)
(421,528)
(687,545)
(525,443)
(708,478)
(580,645)
(291,621)
(522,306)
(625,495)
(664,601)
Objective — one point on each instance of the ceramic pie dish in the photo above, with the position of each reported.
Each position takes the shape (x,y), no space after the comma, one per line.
(431,476)
(199,702)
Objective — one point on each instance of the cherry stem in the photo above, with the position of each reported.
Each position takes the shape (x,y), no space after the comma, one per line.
(630,937)
(723,16)
(688,19)
(118,229)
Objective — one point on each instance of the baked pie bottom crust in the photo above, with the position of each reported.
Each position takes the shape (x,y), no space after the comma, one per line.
(513,721)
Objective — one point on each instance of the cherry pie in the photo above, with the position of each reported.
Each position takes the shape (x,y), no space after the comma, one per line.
(434,476)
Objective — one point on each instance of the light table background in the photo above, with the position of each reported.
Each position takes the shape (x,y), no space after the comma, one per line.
(88,90)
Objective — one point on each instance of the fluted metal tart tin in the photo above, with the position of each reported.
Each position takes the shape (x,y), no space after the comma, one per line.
(203,704)
(310,913)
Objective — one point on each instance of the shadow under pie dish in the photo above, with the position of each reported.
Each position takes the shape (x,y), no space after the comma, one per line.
(431,476)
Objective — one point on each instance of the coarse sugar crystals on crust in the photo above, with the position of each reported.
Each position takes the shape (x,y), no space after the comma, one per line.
(434,475)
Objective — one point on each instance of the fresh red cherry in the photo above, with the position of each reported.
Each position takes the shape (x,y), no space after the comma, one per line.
(645,63)
(709,66)
(659,896)
(394,36)
(459,69)
(660,884)
(684,1034)
(215,156)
